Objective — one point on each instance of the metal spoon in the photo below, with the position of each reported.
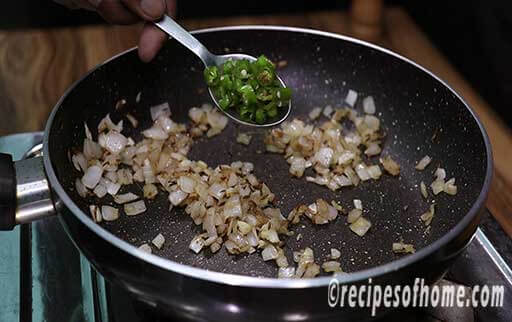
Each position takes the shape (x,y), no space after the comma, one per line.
(177,32)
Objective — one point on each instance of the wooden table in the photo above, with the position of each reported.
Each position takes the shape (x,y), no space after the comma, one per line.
(36,66)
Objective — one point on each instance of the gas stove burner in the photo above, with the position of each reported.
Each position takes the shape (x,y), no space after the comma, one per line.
(44,277)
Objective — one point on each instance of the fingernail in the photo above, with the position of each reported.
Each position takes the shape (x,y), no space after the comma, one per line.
(153,8)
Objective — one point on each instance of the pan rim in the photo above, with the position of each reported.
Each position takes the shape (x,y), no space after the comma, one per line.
(258,282)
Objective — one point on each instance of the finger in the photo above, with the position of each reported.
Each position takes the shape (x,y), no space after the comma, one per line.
(171,7)
(115,12)
(151,41)
(149,10)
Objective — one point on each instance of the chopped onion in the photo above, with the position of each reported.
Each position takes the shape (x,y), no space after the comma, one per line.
(126,197)
(247,168)
(135,208)
(92,150)
(374,172)
(217,191)
(281,260)
(124,177)
(351,98)
(437,186)
(95,213)
(342,181)
(147,172)
(372,122)
(111,175)
(362,172)
(390,165)
(358,204)
(115,142)
(145,248)
(186,184)
(109,213)
(298,166)
(150,191)
(214,247)
(373,149)
(196,244)
(315,113)
(428,216)
(160,110)
(244,138)
(318,180)
(286,272)
(346,157)
(423,189)
(158,241)
(80,188)
(331,266)
(350,173)
(107,124)
(269,252)
(423,163)
(176,197)
(312,270)
(440,174)
(360,226)
(88,133)
(196,114)
(337,206)
(335,254)
(92,176)
(353,139)
(168,125)
(324,156)
(354,215)
(79,161)
(327,111)
(216,120)
(156,133)
(270,235)
(450,187)
(440,185)
(100,191)
(369,105)
(244,228)
(400,247)
(233,207)
(112,188)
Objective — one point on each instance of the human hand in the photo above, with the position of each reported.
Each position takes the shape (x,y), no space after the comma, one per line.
(124,12)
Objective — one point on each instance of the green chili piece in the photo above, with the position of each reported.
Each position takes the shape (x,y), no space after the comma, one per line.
(260,116)
(211,75)
(250,87)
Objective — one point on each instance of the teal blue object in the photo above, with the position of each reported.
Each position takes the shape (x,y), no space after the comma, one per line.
(61,278)
(16,145)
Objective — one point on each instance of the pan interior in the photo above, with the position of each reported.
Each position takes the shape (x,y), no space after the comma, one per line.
(419,116)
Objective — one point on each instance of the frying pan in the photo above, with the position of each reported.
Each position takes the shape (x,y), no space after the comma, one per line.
(419,113)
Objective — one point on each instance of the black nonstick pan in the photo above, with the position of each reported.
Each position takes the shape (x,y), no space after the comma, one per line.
(419,113)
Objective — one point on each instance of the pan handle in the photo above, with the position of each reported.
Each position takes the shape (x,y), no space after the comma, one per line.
(24,191)
(7,192)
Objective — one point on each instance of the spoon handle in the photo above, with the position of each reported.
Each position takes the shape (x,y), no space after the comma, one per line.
(169,26)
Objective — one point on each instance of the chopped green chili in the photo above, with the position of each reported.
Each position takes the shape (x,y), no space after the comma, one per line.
(251,88)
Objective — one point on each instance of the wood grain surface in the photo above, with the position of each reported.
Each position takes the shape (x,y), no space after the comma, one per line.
(36,66)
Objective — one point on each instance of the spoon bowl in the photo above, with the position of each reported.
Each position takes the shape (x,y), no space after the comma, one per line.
(173,29)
